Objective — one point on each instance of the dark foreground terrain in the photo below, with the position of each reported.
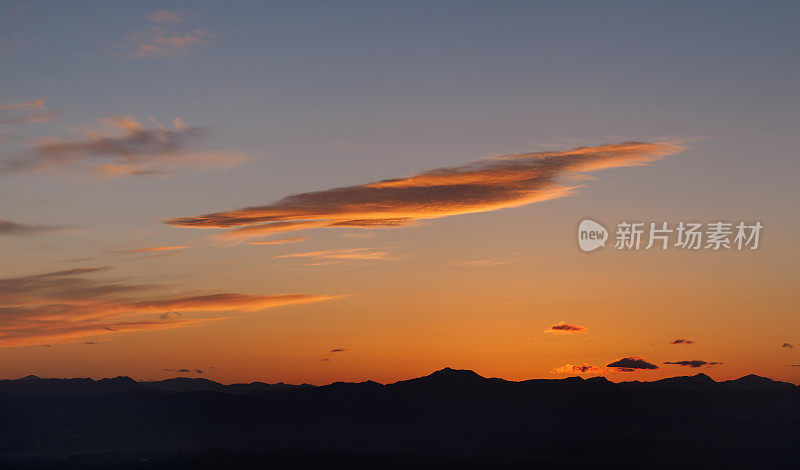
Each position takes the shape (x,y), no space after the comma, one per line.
(449,419)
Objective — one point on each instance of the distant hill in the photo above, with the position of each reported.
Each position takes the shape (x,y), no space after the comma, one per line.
(446,378)
(447,419)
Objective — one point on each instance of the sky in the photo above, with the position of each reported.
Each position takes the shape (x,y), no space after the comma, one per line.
(322,191)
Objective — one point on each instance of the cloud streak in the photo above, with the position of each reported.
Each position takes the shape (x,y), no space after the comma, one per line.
(32,105)
(486,185)
(67,305)
(164,37)
(695,363)
(350,254)
(122,146)
(8,227)
(27,112)
(152,249)
(485,262)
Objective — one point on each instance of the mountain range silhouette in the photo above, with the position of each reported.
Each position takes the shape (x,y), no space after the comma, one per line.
(450,418)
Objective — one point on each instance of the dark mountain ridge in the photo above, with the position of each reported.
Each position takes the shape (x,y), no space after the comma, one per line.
(446,378)
(448,417)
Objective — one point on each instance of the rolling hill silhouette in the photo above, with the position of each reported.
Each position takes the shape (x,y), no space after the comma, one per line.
(448,418)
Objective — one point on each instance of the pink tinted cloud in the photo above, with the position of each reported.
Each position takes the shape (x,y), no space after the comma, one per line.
(164,37)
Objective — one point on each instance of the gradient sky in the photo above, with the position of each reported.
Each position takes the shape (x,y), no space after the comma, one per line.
(120,124)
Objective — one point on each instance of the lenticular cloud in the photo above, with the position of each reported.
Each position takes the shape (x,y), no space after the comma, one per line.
(486,185)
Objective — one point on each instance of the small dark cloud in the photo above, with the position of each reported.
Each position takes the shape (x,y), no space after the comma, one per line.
(787,346)
(681,341)
(184,370)
(566,328)
(630,364)
(693,363)
(90,342)
(168,315)
(332,351)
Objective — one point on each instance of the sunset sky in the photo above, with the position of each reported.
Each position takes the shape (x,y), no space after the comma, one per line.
(322,191)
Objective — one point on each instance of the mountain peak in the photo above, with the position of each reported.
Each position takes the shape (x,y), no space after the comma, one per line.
(30,377)
(460,373)
(752,382)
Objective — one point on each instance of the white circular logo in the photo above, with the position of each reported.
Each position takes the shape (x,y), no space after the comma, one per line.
(591,235)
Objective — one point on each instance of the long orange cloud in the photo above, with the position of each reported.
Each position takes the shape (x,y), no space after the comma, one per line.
(487,185)
(151,249)
(359,254)
(65,305)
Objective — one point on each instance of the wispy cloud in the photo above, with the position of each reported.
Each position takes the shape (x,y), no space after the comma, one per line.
(71,304)
(27,112)
(116,171)
(681,341)
(631,364)
(164,37)
(121,145)
(695,363)
(25,105)
(487,185)
(8,227)
(565,328)
(167,16)
(485,262)
(30,118)
(279,241)
(350,254)
(152,249)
